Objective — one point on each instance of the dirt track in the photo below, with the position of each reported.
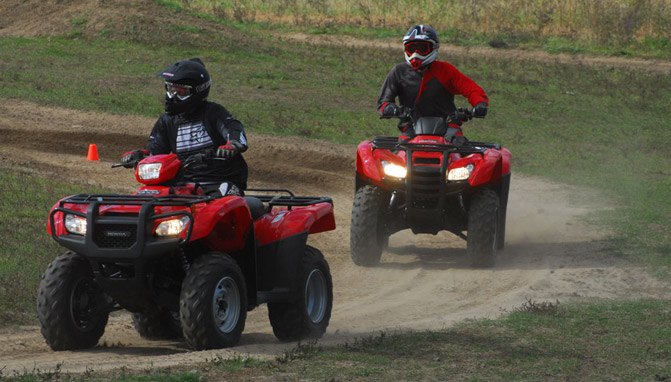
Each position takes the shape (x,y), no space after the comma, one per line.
(423,282)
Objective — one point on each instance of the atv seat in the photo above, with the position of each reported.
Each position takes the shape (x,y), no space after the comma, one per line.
(256,207)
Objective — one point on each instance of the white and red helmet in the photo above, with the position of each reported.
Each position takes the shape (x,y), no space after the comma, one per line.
(421,46)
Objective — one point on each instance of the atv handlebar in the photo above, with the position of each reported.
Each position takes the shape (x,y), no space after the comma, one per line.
(189,161)
(458,116)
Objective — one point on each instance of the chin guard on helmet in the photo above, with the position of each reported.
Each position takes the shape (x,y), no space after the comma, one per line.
(421,46)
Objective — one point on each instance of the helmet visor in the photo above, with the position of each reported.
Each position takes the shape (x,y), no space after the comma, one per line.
(179,91)
(421,47)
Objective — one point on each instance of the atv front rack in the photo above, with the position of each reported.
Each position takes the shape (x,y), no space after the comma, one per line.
(468,147)
(123,235)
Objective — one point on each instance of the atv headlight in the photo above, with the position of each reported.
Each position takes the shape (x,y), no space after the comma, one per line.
(394,170)
(460,173)
(75,224)
(172,227)
(148,171)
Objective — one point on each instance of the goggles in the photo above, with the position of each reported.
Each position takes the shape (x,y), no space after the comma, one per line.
(182,92)
(421,47)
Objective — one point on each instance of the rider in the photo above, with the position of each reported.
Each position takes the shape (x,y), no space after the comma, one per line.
(195,128)
(427,86)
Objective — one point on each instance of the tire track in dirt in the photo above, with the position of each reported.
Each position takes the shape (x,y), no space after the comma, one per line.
(423,282)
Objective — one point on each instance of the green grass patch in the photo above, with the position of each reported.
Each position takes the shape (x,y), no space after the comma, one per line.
(537,341)
(26,248)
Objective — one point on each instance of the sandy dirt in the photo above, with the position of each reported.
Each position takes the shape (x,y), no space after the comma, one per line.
(423,282)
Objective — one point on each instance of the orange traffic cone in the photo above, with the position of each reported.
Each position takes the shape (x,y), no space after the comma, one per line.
(93,152)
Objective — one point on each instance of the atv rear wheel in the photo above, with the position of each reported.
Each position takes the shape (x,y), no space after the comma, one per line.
(213,302)
(483,217)
(159,324)
(367,232)
(309,315)
(71,307)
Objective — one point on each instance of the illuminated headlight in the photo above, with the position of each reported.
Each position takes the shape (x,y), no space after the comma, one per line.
(394,170)
(149,171)
(75,224)
(460,173)
(172,227)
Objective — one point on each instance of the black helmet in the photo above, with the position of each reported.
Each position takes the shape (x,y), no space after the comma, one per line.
(421,46)
(187,85)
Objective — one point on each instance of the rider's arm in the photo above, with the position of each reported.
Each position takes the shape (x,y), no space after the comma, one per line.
(231,129)
(461,84)
(388,94)
(158,139)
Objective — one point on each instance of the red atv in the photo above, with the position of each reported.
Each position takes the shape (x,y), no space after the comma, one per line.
(426,183)
(186,264)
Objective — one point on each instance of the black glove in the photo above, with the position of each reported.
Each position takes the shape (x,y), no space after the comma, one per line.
(197,162)
(230,149)
(459,140)
(130,158)
(393,110)
(480,110)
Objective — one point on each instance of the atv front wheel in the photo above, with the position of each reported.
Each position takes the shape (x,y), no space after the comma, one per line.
(482,226)
(367,234)
(71,307)
(159,324)
(309,315)
(213,302)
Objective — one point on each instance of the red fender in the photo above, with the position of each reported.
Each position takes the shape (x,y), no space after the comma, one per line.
(282,223)
(367,166)
(224,223)
(488,169)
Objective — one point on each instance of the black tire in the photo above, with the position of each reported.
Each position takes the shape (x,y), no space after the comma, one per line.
(367,234)
(501,229)
(71,307)
(159,324)
(213,302)
(482,225)
(309,315)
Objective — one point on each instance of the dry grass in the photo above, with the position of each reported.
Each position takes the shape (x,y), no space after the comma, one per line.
(601,21)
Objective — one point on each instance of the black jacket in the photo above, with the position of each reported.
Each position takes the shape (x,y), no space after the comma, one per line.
(206,128)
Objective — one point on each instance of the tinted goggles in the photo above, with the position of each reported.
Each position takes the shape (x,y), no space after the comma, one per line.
(176,90)
(421,47)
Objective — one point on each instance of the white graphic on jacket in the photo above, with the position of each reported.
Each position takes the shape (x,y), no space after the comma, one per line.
(192,137)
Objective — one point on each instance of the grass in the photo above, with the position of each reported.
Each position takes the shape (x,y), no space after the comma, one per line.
(536,341)
(26,248)
(613,27)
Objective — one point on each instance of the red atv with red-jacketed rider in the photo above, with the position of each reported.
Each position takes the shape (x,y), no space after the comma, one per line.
(186,264)
(427,184)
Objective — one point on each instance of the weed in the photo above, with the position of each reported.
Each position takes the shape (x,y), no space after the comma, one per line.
(535,307)
(301,350)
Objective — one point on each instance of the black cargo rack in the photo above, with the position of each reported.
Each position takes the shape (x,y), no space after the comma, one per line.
(109,199)
(290,200)
(469,147)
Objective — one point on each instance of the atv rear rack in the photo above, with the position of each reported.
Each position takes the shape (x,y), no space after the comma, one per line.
(289,200)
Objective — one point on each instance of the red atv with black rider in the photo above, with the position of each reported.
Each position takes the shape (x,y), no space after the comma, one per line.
(187,265)
(426,183)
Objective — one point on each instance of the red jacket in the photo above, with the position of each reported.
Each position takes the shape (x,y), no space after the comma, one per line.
(429,93)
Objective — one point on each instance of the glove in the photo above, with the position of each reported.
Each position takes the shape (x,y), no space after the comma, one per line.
(130,158)
(480,110)
(197,162)
(459,140)
(230,149)
(393,110)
